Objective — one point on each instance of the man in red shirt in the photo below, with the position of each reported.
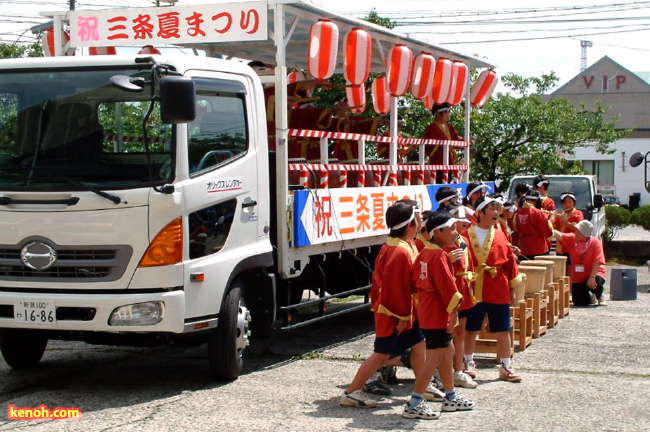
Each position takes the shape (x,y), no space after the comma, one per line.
(497,277)
(587,263)
(392,301)
(440,129)
(541,185)
(433,276)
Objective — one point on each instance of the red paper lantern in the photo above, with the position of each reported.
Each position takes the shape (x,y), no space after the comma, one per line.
(356,95)
(109,50)
(295,76)
(323,48)
(429,101)
(399,60)
(442,80)
(422,79)
(483,88)
(356,60)
(460,71)
(148,49)
(47,41)
(380,97)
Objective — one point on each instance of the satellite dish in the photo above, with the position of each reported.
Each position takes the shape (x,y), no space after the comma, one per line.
(636,159)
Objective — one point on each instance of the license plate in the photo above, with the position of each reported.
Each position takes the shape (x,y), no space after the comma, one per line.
(35,312)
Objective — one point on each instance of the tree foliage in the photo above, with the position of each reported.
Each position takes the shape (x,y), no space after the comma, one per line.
(617,218)
(641,217)
(16,50)
(522,132)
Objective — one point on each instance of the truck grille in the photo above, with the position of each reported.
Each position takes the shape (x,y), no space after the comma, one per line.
(106,263)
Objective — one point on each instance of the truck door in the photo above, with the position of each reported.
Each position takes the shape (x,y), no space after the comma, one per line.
(220,196)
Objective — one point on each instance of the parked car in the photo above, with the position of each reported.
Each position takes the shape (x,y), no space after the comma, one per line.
(611,200)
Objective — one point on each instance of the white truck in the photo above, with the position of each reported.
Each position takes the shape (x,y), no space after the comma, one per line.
(588,201)
(139,201)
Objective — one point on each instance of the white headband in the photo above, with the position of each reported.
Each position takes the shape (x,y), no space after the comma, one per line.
(532,197)
(476,189)
(415,209)
(447,224)
(484,203)
(447,198)
(542,182)
(569,195)
(510,208)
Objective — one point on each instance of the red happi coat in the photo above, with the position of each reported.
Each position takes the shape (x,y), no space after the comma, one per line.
(420,242)
(534,230)
(495,266)
(464,275)
(548,204)
(434,281)
(575,216)
(582,264)
(434,152)
(390,293)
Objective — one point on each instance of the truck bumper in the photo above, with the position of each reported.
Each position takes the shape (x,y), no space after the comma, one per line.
(91,312)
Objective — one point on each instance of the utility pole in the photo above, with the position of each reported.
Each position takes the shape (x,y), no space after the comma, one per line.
(584,44)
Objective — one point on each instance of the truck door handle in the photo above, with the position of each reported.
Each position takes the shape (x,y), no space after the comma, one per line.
(249,204)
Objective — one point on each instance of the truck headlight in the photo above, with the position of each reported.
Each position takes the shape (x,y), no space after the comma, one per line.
(139,314)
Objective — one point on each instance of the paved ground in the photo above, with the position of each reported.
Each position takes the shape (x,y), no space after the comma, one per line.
(591,372)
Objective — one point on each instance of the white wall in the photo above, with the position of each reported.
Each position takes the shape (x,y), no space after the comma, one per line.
(627,180)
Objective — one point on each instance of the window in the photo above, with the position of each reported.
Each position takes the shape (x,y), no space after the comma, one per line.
(604,169)
(209,228)
(219,133)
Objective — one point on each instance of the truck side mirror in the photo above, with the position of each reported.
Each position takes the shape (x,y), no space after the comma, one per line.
(177,100)
(598,201)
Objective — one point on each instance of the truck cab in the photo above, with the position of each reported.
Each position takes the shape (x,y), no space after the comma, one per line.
(588,201)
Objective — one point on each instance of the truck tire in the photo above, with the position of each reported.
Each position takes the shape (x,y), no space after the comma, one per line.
(226,343)
(21,349)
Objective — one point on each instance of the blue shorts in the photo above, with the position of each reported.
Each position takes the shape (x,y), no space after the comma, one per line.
(437,338)
(498,317)
(464,313)
(395,344)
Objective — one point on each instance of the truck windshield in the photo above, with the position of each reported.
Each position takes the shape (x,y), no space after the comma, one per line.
(559,184)
(72,124)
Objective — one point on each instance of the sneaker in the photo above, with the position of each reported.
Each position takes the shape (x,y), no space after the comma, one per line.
(357,399)
(422,411)
(376,388)
(602,301)
(461,379)
(432,394)
(438,384)
(470,368)
(459,403)
(507,373)
(388,375)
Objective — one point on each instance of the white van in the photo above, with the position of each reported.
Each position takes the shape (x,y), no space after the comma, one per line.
(583,186)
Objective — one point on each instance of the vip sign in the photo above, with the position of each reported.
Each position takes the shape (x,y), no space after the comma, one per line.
(605,81)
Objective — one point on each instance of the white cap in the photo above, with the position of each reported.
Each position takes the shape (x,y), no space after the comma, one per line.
(585,227)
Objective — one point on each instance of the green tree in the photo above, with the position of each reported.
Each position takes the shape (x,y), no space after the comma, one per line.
(16,50)
(520,132)
(641,216)
(617,218)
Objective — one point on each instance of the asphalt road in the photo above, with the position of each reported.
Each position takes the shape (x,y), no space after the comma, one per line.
(591,372)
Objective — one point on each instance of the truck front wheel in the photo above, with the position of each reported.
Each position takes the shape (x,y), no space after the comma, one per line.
(227,342)
(21,349)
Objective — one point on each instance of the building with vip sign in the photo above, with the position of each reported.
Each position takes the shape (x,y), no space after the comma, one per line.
(626,94)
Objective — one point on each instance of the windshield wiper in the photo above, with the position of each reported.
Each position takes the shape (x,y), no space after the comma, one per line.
(113,198)
(83,186)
